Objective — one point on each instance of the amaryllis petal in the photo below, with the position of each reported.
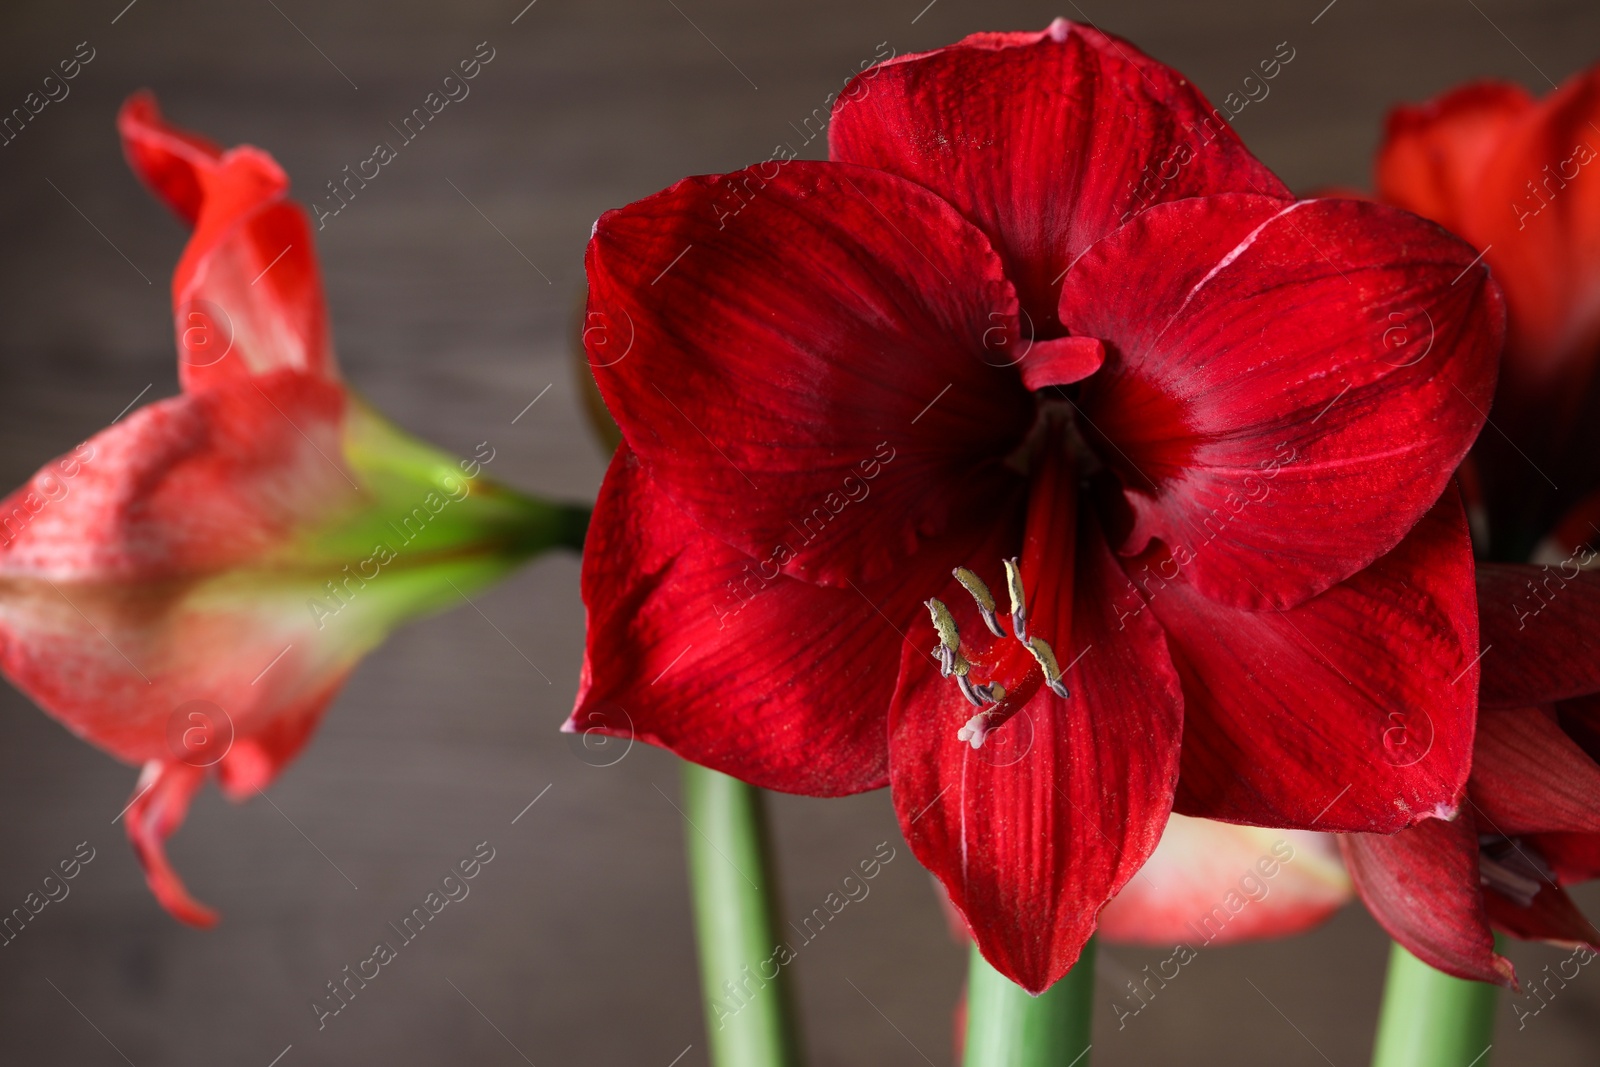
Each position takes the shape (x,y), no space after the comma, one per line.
(1034,831)
(186,485)
(168,160)
(1432,153)
(1286,398)
(1353,711)
(718,656)
(1048,141)
(1061,361)
(1572,857)
(1540,632)
(1529,777)
(247,295)
(775,359)
(1421,884)
(1212,882)
(1551,916)
(160,803)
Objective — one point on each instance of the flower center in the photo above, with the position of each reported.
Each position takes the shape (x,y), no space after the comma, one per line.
(1512,867)
(997,672)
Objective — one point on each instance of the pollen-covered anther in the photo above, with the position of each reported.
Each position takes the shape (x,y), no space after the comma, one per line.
(980,592)
(1047,663)
(1019,605)
(944,624)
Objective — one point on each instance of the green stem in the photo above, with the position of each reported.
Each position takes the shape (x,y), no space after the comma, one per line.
(1008,1028)
(1430,1019)
(749,1015)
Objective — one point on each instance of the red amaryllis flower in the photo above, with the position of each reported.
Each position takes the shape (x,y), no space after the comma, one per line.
(1520,179)
(971,339)
(189,588)
(1531,823)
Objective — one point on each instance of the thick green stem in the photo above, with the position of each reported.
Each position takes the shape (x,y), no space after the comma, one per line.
(1430,1019)
(1008,1028)
(749,1016)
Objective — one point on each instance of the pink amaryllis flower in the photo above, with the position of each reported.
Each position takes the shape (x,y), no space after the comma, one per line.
(1042,332)
(189,588)
(1519,177)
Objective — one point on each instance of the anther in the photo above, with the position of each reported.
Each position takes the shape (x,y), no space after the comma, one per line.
(980,592)
(944,624)
(1047,663)
(1019,606)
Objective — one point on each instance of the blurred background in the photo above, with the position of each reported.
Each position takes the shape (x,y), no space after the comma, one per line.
(453,280)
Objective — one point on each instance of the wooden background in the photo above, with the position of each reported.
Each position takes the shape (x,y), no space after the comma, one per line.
(575,941)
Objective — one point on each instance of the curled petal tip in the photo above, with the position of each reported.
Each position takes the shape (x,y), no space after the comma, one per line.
(157,810)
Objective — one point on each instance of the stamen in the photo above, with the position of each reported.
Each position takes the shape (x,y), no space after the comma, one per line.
(980,592)
(1019,606)
(950,662)
(969,690)
(1512,868)
(1047,663)
(1000,678)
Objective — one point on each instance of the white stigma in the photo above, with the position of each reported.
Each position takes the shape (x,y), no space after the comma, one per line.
(977,731)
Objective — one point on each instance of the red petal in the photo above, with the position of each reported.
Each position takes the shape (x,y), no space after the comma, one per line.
(1061,361)
(1552,917)
(167,159)
(1421,884)
(247,294)
(780,353)
(1048,141)
(1215,883)
(161,800)
(1034,832)
(157,566)
(1353,711)
(1572,857)
(1270,404)
(1432,154)
(1529,777)
(255,760)
(1539,632)
(716,656)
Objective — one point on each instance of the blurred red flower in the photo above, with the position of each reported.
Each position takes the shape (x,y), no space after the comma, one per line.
(189,588)
(1519,179)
